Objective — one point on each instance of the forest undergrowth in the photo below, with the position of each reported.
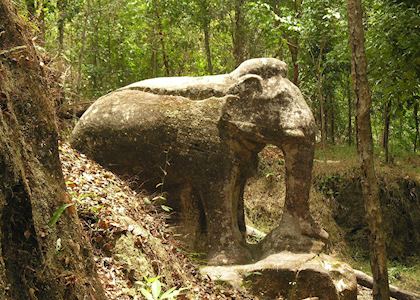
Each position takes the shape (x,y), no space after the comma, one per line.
(134,249)
(134,246)
(336,203)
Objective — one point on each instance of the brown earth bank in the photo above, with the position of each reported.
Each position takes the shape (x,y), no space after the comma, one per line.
(400,206)
(336,202)
(134,246)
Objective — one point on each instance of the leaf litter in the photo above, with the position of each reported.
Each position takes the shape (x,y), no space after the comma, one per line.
(116,217)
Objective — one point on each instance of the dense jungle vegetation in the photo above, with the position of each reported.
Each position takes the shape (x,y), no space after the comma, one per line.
(78,50)
(104,44)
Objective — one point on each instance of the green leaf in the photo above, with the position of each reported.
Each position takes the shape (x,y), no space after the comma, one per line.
(152,279)
(166,208)
(146,294)
(58,212)
(156,289)
(169,294)
(172,293)
(159,198)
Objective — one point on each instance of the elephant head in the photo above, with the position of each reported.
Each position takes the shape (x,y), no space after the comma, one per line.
(269,109)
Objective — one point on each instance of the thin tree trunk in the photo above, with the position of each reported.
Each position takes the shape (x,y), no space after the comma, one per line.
(370,187)
(32,185)
(161,38)
(349,115)
(293,45)
(416,122)
(95,49)
(61,5)
(206,29)
(332,119)
(82,49)
(154,50)
(113,80)
(154,62)
(385,133)
(292,42)
(321,97)
(205,23)
(322,113)
(239,33)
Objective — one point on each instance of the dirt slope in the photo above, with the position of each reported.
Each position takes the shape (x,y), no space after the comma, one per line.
(133,246)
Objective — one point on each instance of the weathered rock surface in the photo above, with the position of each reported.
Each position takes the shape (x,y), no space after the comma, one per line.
(291,276)
(288,236)
(197,139)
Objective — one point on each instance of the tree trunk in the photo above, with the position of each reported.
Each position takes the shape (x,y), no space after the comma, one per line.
(332,119)
(370,187)
(86,12)
(61,6)
(161,38)
(32,185)
(205,23)
(416,122)
(385,133)
(154,62)
(239,33)
(208,49)
(321,97)
(349,115)
(293,45)
(292,42)
(395,292)
(322,113)
(95,49)
(206,29)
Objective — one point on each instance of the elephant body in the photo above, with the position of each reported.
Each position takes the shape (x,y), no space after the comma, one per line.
(197,139)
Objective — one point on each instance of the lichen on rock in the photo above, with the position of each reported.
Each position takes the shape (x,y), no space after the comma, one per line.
(198,140)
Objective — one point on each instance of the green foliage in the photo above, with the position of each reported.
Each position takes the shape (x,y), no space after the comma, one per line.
(57,213)
(152,290)
(108,44)
(329,185)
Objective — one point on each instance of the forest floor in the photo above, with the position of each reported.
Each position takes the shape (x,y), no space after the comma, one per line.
(404,271)
(335,184)
(135,250)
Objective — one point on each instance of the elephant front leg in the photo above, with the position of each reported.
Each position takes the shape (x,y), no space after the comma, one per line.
(226,244)
(299,161)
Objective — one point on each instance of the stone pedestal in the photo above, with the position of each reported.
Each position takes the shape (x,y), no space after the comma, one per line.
(291,276)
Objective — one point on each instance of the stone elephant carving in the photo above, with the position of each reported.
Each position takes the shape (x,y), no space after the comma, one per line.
(199,137)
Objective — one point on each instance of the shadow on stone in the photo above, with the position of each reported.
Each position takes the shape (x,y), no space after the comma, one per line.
(288,236)
(291,276)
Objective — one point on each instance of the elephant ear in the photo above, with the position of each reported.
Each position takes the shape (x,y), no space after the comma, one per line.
(248,86)
(237,114)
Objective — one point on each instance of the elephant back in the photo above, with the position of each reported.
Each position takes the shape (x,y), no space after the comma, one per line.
(199,88)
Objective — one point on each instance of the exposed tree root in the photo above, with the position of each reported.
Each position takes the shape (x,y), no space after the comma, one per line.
(367,281)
